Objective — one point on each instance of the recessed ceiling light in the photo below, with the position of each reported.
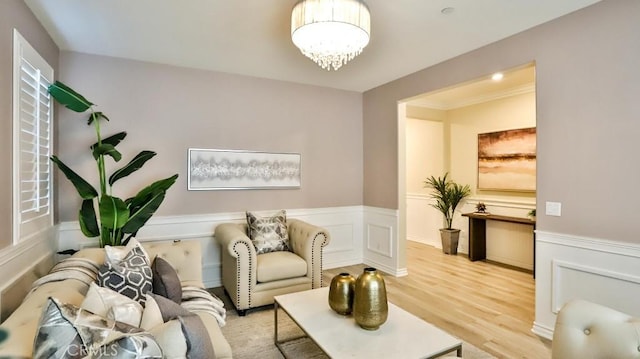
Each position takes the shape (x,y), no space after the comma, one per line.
(447,10)
(497,76)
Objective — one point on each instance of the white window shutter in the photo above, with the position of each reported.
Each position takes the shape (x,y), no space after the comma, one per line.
(33,114)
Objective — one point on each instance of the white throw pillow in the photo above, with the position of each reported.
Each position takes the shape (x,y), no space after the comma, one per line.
(115,255)
(171,339)
(151,316)
(113,305)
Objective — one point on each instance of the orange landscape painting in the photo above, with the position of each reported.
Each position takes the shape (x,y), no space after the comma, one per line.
(507,160)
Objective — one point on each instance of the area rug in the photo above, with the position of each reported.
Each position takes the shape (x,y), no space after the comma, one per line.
(251,336)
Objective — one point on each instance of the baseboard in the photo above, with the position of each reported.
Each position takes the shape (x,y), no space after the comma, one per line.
(542,331)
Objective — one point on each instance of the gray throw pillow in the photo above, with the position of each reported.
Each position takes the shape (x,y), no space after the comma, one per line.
(168,308)
(196,334)
(268,234)
(197,337)
(165,280)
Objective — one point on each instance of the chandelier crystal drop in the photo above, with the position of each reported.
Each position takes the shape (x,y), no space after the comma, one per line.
(330,32)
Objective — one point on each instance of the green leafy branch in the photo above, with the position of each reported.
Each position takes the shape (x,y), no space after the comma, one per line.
(115,217)
(447,195)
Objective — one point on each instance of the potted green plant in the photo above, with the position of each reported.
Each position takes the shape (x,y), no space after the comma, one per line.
(532,214)
(481,208)
(448,196)
(115,217)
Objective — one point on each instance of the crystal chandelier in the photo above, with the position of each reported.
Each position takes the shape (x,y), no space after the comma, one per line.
(330,32)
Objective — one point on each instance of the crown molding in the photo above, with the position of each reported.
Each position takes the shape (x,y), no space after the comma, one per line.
(485,97)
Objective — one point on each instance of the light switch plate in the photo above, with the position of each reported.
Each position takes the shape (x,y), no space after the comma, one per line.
(553,209)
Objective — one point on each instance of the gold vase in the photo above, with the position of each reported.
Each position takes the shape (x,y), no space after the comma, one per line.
(341,292)
(370,307)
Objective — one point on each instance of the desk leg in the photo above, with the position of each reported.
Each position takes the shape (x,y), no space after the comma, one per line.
(275,326)
(477,239)
(534,251)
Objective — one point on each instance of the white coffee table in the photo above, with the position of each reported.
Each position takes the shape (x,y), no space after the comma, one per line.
(403,335)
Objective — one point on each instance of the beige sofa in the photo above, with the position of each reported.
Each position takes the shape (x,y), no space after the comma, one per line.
(252,280)
(588,330)
(184,256)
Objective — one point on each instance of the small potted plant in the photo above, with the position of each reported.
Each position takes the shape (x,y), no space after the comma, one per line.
(448,196)
(481,208)
(532,214)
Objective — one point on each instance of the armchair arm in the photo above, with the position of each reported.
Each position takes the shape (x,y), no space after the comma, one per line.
(229,235)
(588,330)
(239,262)
(307,241)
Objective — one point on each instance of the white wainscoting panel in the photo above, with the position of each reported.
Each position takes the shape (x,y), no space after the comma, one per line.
(381,245)
(423,221)
(20,261)
(343,223)
(510,243)
(597,270)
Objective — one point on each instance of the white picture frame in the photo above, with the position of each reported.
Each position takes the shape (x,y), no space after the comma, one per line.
(214,169)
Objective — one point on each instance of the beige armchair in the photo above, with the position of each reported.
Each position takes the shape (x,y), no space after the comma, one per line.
(252,280)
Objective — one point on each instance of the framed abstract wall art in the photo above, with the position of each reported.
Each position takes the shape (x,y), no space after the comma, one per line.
(507,160)
(211,169)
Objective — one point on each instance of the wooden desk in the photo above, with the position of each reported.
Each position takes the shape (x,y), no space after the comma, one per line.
(478,233)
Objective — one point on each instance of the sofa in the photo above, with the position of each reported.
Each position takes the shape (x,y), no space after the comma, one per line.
(588,330)
(183,256)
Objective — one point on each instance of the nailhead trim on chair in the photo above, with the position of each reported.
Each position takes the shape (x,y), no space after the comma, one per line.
(313,248)
(238,273)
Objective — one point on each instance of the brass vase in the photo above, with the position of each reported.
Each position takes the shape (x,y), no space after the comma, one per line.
(341,292)
(370,307)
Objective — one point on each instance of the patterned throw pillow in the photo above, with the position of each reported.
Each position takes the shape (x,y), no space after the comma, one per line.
(268,234)
(131,277)
(66,331)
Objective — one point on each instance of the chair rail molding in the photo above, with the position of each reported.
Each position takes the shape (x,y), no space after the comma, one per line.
(345,224)
(597,270)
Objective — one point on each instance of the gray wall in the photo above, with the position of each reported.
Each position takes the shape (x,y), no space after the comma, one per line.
(170,109)
(15,14)
(588,81)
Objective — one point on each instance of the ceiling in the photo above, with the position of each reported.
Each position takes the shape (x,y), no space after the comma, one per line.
(514,82)
(252,37)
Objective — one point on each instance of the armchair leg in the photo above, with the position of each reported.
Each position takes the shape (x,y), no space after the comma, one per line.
(241,312)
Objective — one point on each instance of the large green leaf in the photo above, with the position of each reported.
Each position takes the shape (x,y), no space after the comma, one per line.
(68,97)
(113,140)
(96,116)
(146,193)
(146,202)
(113,212)
(135,164)
(106,149)
(87,218)
(141,215)
(83,187)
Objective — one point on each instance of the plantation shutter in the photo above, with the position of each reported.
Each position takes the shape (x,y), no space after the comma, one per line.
(32,141)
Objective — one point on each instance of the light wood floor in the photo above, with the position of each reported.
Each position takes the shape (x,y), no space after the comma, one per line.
(489,306)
